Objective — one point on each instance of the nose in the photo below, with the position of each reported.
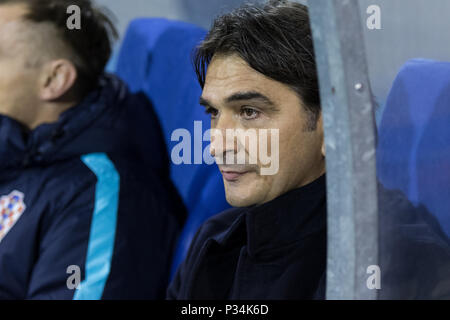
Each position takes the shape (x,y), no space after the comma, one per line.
(220,145)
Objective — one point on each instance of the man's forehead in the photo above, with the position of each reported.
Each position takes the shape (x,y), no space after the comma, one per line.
(228,75)
(228,69)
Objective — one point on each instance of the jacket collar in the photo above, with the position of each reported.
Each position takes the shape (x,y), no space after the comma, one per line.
(281,222)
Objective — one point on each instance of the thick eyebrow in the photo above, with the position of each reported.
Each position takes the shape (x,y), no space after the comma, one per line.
(241,96)
(249,95)
(205,103)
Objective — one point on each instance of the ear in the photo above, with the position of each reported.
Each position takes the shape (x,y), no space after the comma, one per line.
(323,148)
(58,77)
(320,127)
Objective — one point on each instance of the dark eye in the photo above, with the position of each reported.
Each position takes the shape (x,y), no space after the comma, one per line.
(211,111)
(249,113)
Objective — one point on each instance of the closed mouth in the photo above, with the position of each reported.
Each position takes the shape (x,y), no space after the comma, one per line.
(232,175)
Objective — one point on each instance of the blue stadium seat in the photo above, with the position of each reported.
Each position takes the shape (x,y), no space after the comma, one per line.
(156,58)
(414,137)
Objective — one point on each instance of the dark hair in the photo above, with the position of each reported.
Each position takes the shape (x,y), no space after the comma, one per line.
(91,45)
(274,39)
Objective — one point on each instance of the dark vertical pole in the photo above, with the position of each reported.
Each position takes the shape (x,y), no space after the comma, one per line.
(349,124)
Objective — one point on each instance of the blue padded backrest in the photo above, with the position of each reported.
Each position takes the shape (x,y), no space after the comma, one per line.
(156,58)
(414,137)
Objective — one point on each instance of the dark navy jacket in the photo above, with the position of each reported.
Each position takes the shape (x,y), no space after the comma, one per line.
(273,251)
(278,251)
(89,192)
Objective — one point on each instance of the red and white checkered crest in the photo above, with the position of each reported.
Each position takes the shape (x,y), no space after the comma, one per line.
(11,208)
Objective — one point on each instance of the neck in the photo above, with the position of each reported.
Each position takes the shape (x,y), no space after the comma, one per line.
(47,113)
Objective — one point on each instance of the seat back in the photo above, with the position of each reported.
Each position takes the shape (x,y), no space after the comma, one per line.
(156,58)
(413,152)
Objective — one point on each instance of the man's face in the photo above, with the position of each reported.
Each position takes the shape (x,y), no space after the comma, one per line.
(18,80)
(238,97)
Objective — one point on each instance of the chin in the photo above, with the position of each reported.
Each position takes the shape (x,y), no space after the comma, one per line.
(246,191)
(239,203)
(240,197)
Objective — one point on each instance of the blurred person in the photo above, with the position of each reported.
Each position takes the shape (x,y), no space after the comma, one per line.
(87,210)
(257,70)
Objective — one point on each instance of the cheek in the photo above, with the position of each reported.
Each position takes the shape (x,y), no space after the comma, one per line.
(8,85)
(290,143)
(298,153)
(18,94)
(11,75)
(300,158)
(16,81)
